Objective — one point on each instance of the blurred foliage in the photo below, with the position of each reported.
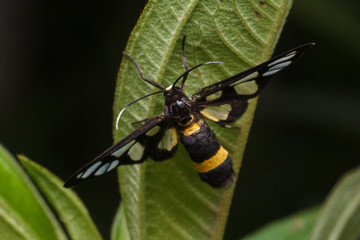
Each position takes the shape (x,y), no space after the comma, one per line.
(57,76)
(24,213)
(340,216)
(296,227)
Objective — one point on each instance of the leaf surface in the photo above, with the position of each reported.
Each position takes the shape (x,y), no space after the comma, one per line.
(67,204)
(23,212)
(295,227)
(167,200)
(340,217)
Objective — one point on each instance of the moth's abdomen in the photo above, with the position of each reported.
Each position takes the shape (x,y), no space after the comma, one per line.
(211,160)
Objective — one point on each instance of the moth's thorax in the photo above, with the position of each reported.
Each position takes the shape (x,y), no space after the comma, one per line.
(178,107)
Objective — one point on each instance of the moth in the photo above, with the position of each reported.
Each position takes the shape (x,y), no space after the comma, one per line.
(184,119)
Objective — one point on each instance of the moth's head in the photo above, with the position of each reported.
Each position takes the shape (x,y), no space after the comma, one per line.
(172,94)
(177,105)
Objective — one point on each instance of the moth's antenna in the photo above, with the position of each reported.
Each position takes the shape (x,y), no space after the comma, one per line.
(122,110)
(185,63)
(155,84)
(184,75)
(183,54)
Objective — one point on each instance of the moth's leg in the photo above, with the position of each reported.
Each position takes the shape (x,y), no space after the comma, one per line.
(147,119)
(222,124)
(141,121)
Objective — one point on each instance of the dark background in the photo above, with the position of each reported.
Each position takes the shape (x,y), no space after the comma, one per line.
(58,65)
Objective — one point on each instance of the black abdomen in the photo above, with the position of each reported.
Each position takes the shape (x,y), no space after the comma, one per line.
(211,160)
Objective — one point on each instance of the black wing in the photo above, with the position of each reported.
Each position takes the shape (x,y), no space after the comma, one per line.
(226,109)
(156,139)
(225,101)
(260,74)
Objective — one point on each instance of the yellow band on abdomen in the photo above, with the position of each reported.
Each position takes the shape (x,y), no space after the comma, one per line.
(213,162)
(191,129)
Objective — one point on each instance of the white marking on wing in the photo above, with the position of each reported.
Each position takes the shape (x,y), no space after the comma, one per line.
(247,78)
(153,131)
(246,88)
(292,53)
(136,152)
(101,170)
(113,165)
(269,73)
(121,151)
(91,169)
(281,60)
(281,65)
(169,140)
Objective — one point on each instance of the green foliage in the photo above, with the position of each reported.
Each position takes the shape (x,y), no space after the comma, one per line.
(24,214)
(67,204)
(167,200)
(119,228)
(296,227)
(340,217)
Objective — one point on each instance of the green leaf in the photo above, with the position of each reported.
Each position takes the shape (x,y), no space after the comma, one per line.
(119,228)
(296,227)
(340,217)
(23,213)
(167,200)
(66,203)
